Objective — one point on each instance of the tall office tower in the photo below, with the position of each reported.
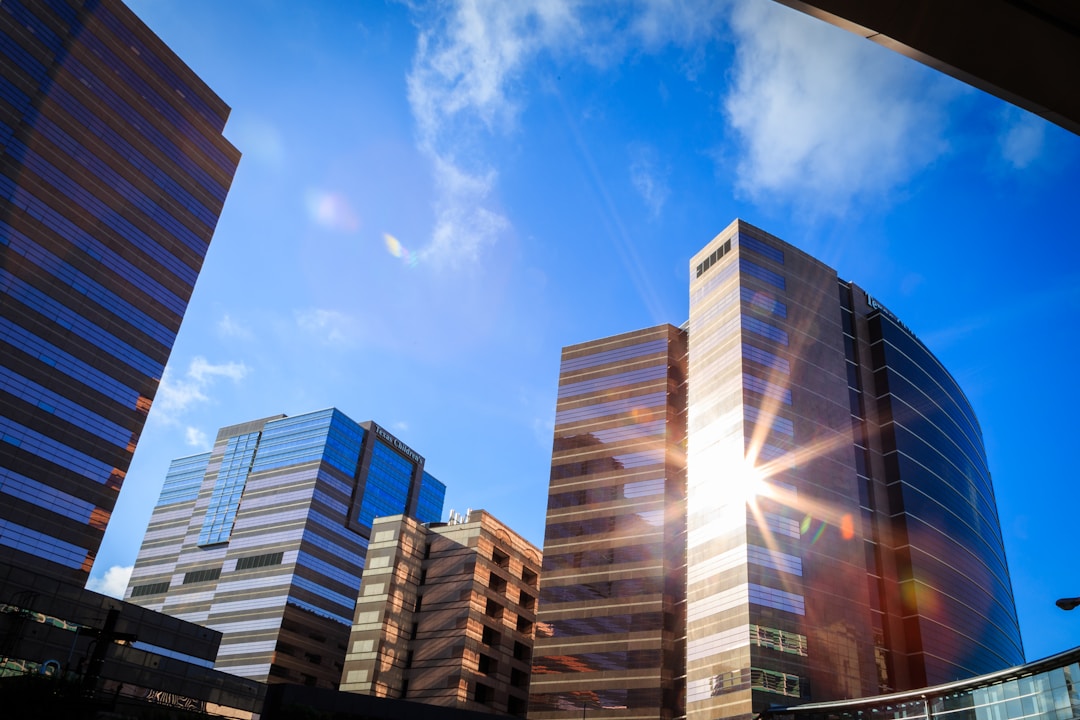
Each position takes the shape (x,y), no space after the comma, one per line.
(113,172)
(446,615)
(611,613)
(842,537)
(264,538)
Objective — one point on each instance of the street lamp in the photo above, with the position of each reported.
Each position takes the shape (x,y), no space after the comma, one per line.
(1068,603)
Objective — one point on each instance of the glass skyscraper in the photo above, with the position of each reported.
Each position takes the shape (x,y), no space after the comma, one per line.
(841,537)
(113,171)
(264,538)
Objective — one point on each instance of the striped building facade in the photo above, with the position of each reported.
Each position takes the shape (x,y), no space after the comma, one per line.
(113,171)
(265,537)
(610,622)
(446,615)
(777,597)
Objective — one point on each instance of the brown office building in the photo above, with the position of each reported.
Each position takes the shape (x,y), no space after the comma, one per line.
(113,171)
(613,587)
(841,540)
(446,615)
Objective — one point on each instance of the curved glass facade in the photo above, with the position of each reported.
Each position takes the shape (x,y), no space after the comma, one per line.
(955,593)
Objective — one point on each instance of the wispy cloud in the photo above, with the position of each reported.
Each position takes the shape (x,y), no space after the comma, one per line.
(468,55)
(176,395)
(649,176)
(195,437)
(330,327)
(822,116)
(1021,138)
(229,327)
(113,583)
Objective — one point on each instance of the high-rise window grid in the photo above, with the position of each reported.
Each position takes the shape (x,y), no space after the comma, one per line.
(228,489)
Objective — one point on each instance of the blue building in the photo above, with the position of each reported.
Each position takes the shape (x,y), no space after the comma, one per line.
(113,171)
(264,538)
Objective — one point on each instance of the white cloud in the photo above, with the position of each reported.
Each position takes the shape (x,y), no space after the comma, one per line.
(1022,136)
(649,176)
(465,61)
(195,437)
(463,225)
(114,582)
(177,395)
(678,22)
(228,327)
(823,115)
(330,327)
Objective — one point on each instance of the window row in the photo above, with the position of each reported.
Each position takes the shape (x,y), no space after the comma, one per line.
(64,408)
(56,452)
(610,356)
(68,319)
(84,284)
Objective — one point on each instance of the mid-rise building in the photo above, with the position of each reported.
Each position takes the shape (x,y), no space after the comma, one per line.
(264,538)
(612,598)
(842,537)
(113,171)
(446,615)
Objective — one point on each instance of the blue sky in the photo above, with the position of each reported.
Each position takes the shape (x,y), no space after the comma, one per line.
(435,198)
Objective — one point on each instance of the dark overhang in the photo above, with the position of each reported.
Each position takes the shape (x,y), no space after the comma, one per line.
(1024,51)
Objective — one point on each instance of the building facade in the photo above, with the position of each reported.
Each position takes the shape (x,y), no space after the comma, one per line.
(113,171)
(612,594)
(446,615)
(264,538)
(842,537)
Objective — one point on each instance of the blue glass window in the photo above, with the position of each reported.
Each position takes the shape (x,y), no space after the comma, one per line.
(751,243)
(764,329)
(43,546)
(754,270)
(225,499)
(32,491)
(429,506)
(324,435)
(766,358)
(184,479)
(778,599)
(387,488)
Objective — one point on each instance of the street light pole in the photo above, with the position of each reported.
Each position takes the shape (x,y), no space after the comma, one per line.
(1068,603)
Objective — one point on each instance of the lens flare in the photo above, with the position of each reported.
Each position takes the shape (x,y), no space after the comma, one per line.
(847,527)
(395,248)
(332,211)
